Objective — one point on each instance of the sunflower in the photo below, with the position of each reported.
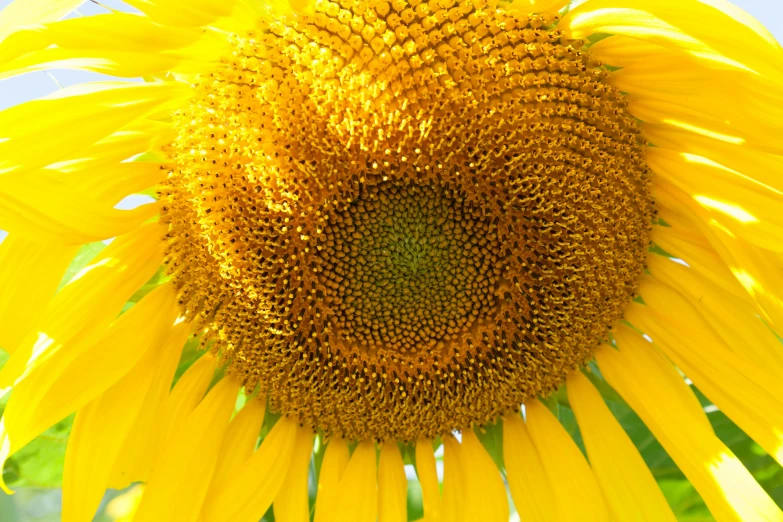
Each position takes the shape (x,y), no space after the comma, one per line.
(386,224)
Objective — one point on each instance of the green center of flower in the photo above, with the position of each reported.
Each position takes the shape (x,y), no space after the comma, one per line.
(402,219)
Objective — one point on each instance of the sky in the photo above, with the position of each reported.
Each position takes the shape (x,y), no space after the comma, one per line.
(34,85)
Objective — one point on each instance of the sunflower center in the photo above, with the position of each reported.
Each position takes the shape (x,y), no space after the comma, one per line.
(406,268)
(402,219)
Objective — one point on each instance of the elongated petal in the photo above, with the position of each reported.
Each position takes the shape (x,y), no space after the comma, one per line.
(180,479)
(56,390)
(291,503)
(533,495)
(358,496)
(628,485)
(134,461)
(747,208)
(332,470)
(428,478)
(184,398)
(250,492)
(30,273)
(184,13)
(576,490)
(695,28)
(658,394)
(240,440)
(759,271)
(486,497)
(96,109)
(79,313)
(453,482)
(538,6)
(99,430)
(392,485)
(737,323)
(49,210)
(31,12)
(749,394)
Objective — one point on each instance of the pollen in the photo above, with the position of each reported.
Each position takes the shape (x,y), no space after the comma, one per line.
(400,219)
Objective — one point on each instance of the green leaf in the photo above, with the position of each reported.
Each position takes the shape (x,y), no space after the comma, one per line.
(40,463)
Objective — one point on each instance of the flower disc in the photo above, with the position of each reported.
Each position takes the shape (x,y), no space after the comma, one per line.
(402,219)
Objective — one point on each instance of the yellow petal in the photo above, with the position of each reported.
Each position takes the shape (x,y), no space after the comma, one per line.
(99,431)
(427,472)
(251,490)
(659,395)
(79,313)
(737,323)
(49,210)
(357,499)
(180,478)
(695,28)
(453,482)
(56,390)
(134,461)
(291,503)
(692,247)
(30,273)
(485,493)
(96,109)
(184,398)
(749,394)
(332,469)
(30,12)
(533,494)
(118,44)
(240,440)
(392,485)
(576,490)
(184,13)
(759,271)
(747,208)
(629,488)
(537,6)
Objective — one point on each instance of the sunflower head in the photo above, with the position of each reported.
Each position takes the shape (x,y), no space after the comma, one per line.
(402,219)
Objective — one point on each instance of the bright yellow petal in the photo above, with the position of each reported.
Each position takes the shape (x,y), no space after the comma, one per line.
(392,485)
(99,430)
(537,6)
(736,322)
(358,494)
(747,208)
(749,394)
(291,503)
(427,472)
(184,398)
(118,44)
(485,493)
(533,494)
(629,487)
(251,490)
(180,478)
(659,395)
(759,271)
(49,210)
(576,490)
(696,28)
(134,461)
(240,440)
(30,273)
(453,482)
(79,313)
(96,109)
(332,469)
(184,13)
(30,12)
(59,388)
